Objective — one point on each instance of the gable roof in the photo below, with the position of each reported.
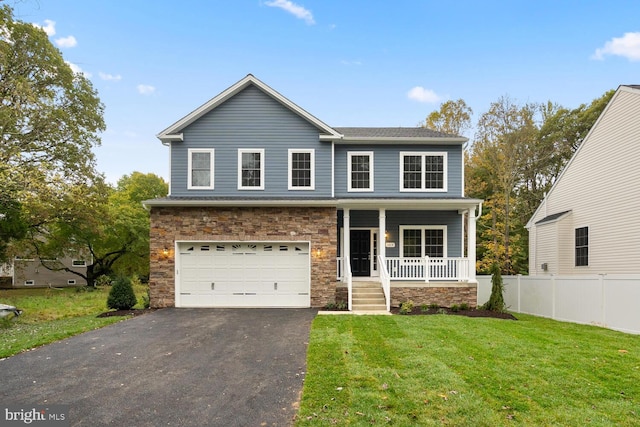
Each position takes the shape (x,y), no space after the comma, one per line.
(634,89)
(174,132)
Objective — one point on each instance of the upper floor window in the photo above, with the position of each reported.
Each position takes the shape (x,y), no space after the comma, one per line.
(582,246)
(360,171)
(423,171)
(421,241)
(251,169)
(301,169)
(200,165)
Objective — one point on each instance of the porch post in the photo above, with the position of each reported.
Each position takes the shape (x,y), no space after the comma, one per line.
(471,242)
(346,239)
(382,237)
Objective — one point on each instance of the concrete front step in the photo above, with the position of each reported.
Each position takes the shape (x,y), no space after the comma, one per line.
(368,307)
(367,296)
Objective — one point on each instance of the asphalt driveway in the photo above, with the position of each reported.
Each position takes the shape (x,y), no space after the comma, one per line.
(172,367)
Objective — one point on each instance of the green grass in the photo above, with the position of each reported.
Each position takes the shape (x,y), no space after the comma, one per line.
(459,371)
(53,314)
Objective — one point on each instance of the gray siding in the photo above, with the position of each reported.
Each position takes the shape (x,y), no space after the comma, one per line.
(394,219)
(251,119)
(386,160)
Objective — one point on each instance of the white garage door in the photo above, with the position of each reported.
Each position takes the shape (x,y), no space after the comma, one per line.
(241,274)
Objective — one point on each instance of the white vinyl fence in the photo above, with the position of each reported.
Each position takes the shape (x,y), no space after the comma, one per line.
(608,300)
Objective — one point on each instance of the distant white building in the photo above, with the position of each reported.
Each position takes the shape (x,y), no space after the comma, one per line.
(589,222)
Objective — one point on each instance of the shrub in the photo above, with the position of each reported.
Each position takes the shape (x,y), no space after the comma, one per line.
(121,295)
(455,308)
(424,308)
(434,306)
(496,300)
(406,307)
(464,306)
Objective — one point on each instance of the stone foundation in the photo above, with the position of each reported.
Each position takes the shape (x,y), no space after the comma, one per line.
(314,224)
(443,295)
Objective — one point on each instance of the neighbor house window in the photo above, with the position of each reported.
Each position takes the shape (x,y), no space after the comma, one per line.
(423,171)
(582,246)
(420,241)
(301,169)
(360,171)
(78,263)
(200,164)
(251,169)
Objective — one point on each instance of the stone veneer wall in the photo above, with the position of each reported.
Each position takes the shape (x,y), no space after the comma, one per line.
(443,296)
(314,224)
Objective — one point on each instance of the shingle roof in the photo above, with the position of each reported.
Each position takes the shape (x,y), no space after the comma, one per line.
(399,132)
(551,218)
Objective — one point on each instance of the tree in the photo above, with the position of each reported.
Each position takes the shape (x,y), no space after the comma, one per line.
(453,117)
(505,135)
(110,229)
(50,118)
(12,223)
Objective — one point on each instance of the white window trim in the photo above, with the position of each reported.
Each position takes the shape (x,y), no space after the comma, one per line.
(260,151)
(350,154)
(423,154)
(190,185)
(313,169)
(445,250)
(74,261)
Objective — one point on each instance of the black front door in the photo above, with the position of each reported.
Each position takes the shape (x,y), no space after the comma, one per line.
(361,253)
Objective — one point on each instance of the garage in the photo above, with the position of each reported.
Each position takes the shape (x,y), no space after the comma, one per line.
(243,274)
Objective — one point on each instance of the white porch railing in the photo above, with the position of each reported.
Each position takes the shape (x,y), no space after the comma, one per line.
(428,268)
(386,281)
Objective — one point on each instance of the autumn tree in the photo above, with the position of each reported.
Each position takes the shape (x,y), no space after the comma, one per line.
(453,117)
(503,138)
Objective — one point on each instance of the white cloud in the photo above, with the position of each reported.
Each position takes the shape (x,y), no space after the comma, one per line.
(627,46)
(66,41)
(345,62)
(421,94)
(145,89)
(110,77)
(76,69)
(49,27)
(296,10)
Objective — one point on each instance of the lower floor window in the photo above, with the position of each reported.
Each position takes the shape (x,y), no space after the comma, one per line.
(582,246)
(423,241)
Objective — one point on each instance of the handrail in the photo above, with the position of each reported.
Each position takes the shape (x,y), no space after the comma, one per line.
(385,280)
(347,277)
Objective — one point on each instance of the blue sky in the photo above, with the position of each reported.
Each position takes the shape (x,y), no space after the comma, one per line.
(349,63)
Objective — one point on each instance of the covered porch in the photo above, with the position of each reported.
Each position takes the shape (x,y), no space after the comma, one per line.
(423,250)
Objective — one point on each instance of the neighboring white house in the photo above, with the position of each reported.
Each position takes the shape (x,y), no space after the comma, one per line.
(589,222)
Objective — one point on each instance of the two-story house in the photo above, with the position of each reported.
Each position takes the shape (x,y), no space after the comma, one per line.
(270,207)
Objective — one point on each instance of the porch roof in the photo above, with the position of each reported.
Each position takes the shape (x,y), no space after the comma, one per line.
(404,203)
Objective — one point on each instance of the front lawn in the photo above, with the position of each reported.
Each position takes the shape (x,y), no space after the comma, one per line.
(459,371)
(52,314)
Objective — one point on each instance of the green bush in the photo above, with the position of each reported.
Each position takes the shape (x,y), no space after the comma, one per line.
(496,300)
(464,306)
(434,306)
(455,308)
(406,307)
(121,295)
(424,308)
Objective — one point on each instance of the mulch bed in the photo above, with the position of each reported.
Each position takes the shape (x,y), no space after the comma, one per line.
(132,312)
(469,313)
